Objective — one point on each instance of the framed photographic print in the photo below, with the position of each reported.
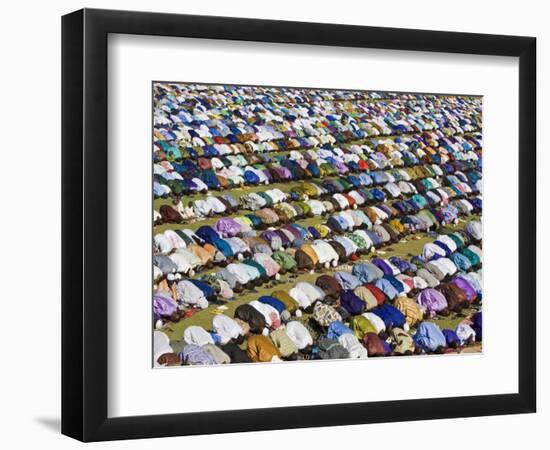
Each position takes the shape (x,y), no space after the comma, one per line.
(283,225)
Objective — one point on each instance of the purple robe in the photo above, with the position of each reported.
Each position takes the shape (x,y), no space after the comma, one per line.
(228,227)
(163,306)
(432,300)
(195,355)
(382,265)
(465,287)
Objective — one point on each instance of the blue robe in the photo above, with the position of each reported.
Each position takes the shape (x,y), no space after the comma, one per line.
(429,337)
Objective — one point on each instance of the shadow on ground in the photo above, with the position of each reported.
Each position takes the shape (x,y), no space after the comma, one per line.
(52,423)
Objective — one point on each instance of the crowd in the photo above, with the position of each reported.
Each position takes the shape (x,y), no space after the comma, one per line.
(252,184)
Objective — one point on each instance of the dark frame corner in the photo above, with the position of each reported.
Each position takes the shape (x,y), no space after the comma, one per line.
(84,223)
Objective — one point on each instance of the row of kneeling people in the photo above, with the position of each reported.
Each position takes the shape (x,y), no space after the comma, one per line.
(365,284)
(372,334)
(185,131)
(350,233)
(178,179)
(338,194)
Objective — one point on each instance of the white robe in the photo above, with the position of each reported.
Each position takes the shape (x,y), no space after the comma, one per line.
(475,230)
(465,332)
(300,296)
(376,321)
(353,346)
(190,294)
(185,260)
(226,328)
(265,310)
(430,250)
(175,239)
(197,335)
(215,204)
(163,244)
(447,241)
(161,345)
(324,251)
(298,334)
(312,291)
(239,272)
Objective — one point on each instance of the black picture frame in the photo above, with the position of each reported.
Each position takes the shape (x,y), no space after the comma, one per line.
(84,224)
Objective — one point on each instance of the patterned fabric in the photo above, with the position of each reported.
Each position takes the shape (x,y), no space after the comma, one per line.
(410,309)
(325,314)
(195,355)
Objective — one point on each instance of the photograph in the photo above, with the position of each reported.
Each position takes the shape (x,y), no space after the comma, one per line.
(267,223)
(301,224)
